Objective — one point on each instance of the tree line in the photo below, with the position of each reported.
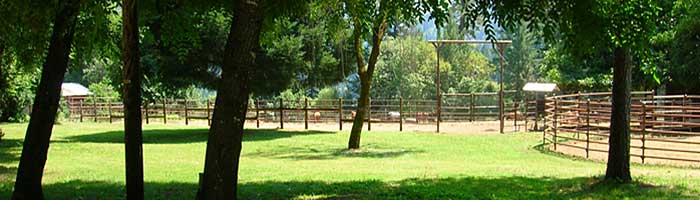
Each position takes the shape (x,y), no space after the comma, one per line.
(162,46)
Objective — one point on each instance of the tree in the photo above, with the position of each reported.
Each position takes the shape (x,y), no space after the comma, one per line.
(36,142)
(24,35)
(522,56)
(131,85)
(220,177)
(371,19)
(624,26)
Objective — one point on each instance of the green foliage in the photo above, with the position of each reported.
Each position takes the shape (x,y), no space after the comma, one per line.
(328,93)
(684,70)
(523,58)
(407,65)
(584,29)
(16,91)
(103,89)
(572,74)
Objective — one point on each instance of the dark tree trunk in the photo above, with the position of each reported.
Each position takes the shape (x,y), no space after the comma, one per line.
(365,73)
(618,167)
(224,144)
(36,141)
(131,85)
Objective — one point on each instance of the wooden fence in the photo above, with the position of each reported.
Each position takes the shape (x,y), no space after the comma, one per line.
(664,129)
(455,108)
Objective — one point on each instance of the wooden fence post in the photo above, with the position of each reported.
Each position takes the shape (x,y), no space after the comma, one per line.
(145,107)
(544,131)
(81,109)
(588,125)
(515,115)
(578,114)
(554,123)
(527,111)
(400,113)
(471,107)
(94,106)
(165,111)
(643,124)
(685,100)
(340,113)
(306,113)
(369,115)
(544,119)
(187,121)
(208,111)
(109,109)
(281,114)
(257,114)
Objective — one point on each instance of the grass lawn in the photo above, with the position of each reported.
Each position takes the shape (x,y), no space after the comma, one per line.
(86,162)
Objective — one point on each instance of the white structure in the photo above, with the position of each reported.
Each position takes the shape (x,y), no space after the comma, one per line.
(74,89)
(540,87)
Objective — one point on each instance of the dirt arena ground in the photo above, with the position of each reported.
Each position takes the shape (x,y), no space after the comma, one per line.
(602,156)
(445,127)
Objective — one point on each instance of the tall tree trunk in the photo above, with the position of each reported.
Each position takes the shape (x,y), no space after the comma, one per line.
(131,84)
(365,73)
(36,141)
(618,167)
(220,176)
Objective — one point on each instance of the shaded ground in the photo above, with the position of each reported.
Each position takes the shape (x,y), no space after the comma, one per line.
(445,127)
(86,162)
(445,188)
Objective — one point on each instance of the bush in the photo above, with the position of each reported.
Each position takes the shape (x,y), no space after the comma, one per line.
(104,89)
(1,135)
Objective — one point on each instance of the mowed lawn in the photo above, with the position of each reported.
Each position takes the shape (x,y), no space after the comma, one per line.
(86,161)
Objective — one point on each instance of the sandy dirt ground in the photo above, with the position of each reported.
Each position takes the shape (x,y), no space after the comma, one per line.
(636,150)
(445,127)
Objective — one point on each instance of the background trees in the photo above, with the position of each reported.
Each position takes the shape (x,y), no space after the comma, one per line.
(371,19)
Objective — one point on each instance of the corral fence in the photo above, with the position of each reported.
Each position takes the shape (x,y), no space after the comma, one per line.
(470,107)
(664,129)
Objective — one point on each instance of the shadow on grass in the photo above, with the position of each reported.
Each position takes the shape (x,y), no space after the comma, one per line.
(320,153)
(447,188)
(10,150)
(179,136)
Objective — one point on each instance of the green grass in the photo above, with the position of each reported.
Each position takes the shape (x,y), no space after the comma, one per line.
(86,162)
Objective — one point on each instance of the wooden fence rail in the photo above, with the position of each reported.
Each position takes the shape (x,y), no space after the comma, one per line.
(455,108)
(663,128)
